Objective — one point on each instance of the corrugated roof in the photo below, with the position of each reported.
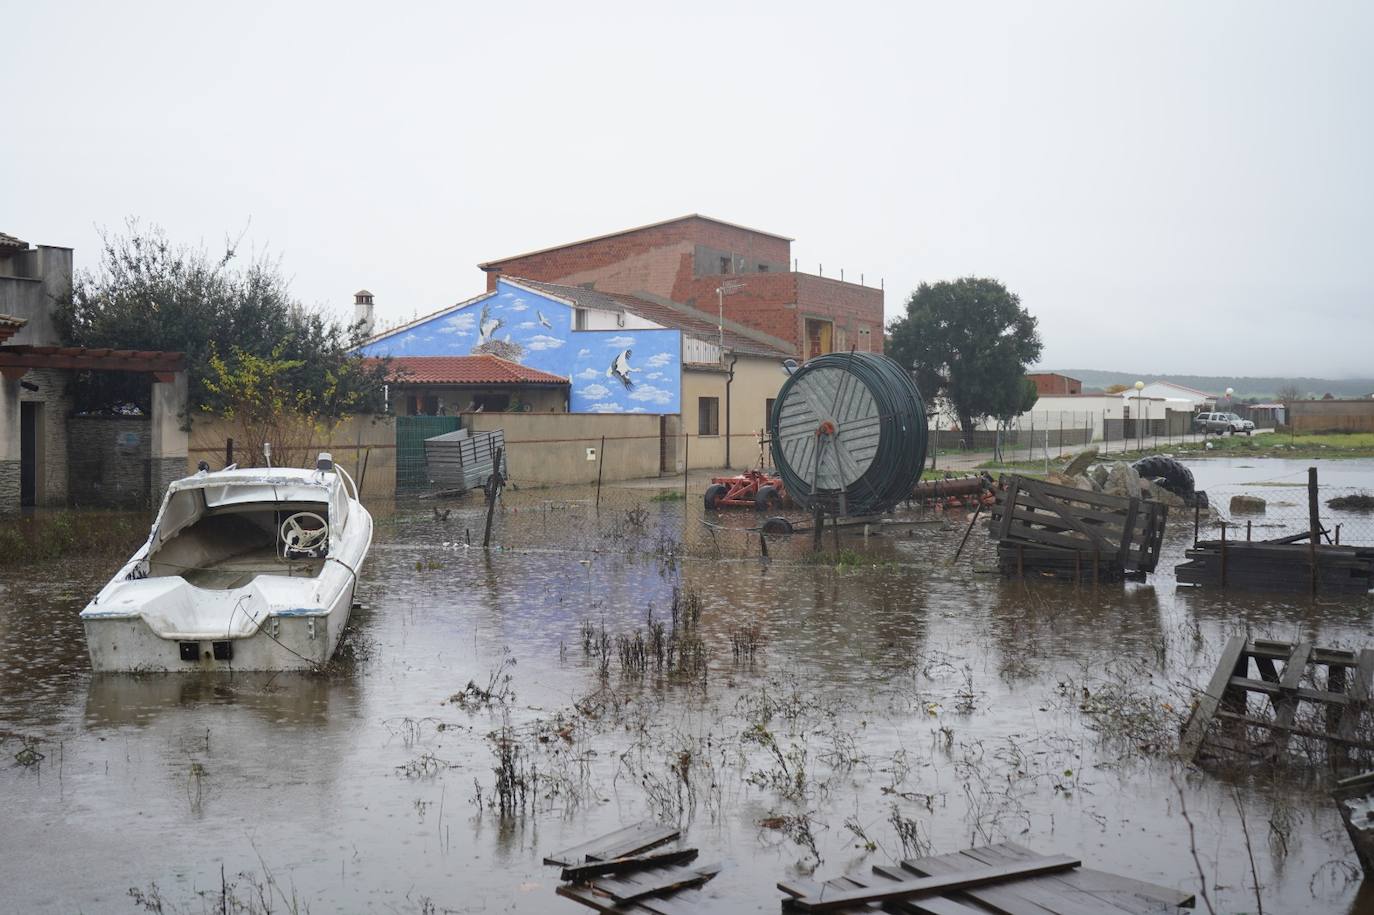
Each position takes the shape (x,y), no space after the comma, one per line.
(653,225)
(479,369)
(737,338)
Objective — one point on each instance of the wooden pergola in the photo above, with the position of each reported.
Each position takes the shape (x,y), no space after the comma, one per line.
(15,361)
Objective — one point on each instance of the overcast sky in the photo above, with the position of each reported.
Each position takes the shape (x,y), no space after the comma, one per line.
(1178,187)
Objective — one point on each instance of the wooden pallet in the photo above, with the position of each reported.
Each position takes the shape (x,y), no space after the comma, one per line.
(1335,720)
(629,871)
(1270,566)
(1044,528)
(1002,878)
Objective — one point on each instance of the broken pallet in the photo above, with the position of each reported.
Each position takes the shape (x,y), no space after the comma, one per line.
(628,871)
(1318,697)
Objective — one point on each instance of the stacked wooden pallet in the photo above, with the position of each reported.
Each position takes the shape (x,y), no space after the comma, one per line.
(628,871)
(996,878)
(1064,532)
(1270,566)
(1318,705)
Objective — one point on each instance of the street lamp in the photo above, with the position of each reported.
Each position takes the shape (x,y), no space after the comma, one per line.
(1139,386)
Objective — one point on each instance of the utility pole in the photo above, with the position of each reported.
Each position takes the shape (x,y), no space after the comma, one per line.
(724,289)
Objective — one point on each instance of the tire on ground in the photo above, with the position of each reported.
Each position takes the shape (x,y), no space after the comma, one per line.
(1166,472)
(767,499)
(777,526)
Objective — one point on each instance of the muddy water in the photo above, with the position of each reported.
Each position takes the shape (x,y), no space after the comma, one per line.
(919,701)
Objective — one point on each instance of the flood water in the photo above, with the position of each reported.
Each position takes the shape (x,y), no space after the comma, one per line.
(899,706)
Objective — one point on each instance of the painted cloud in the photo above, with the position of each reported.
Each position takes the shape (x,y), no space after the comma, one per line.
(650,394)
(620,342)
(659,360)
(543,341)
(595,391)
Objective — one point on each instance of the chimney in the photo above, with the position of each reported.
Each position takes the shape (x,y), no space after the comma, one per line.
(363,311)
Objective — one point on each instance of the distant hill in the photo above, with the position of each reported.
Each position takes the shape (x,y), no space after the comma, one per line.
(1265,388)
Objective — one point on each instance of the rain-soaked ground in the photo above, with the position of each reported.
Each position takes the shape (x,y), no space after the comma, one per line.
(801,716)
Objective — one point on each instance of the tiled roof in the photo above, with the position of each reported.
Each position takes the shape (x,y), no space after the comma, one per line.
(9,241)
(689,320)
(480,369)
(10,325)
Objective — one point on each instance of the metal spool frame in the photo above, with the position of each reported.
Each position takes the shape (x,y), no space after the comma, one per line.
(849,434)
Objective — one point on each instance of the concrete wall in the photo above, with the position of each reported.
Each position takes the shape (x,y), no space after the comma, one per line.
(757,379)
(551,448)
(365,446)
(51,482)
(31,283)
(108,457)
(1332,415)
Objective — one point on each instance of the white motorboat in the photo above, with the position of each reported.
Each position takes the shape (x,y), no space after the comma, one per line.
(245,569)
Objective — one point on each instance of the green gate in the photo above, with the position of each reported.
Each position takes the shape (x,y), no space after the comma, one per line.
(411,432)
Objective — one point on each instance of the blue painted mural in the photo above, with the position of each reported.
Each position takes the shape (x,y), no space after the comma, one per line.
(610,371)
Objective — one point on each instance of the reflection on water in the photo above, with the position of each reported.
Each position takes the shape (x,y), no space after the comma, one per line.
(908,688)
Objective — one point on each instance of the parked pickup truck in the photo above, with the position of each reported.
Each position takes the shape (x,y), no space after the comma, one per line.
(1222,424)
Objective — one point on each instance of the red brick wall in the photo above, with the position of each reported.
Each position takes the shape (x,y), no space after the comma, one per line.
(658,261)
(1054,383)
(650,260)
(762,304)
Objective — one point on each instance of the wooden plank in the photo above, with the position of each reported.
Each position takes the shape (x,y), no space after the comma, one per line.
(654,882)
(1287,705)
(1008,502)
(1276,690)
(935,906)
(1195,731)
(1293,729)
(584,894)
(630,840)
(935,886)
(1067,516)
(1046,891)
(1095,881)
(1002,899)
(629,863)
(1074,494)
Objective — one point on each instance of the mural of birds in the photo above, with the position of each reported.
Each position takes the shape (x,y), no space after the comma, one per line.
(487,325)
(620,370)
(542,320)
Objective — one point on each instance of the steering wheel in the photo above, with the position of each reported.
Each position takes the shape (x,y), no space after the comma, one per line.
(304,533)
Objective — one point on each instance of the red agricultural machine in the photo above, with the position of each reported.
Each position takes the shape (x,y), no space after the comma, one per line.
(751,489)
(957,492)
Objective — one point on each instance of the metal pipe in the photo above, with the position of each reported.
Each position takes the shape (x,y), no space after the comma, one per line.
(729,380)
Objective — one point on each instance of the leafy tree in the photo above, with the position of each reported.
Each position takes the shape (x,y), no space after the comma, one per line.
(150,294)
(970,342)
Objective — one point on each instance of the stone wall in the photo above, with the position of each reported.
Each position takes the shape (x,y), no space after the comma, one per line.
(108,459)
(9,488)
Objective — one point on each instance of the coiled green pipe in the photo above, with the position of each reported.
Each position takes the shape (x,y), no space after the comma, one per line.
(849,434)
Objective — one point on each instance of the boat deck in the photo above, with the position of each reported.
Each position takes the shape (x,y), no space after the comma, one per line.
(237,571)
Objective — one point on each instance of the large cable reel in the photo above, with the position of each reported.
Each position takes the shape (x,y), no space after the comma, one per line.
(849,434)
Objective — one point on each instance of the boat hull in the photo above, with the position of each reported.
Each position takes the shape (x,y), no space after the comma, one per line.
(295,640)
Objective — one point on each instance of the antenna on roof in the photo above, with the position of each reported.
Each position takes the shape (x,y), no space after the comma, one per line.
(724,289)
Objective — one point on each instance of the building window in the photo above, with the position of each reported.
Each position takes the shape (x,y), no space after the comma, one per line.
(708,416)
(580,319)
(865,340)
(762,268)
(819,338)
(726,262)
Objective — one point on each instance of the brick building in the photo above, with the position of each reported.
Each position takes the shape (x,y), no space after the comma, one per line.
(687,260)
(1053,383)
